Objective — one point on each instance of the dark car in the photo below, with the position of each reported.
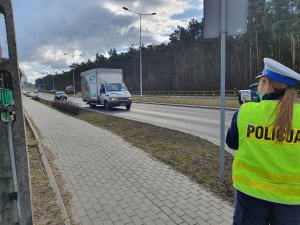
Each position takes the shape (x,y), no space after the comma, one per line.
(60,95)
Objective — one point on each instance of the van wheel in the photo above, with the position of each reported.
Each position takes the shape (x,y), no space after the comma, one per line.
(92,105)
(128,107)
(106,106)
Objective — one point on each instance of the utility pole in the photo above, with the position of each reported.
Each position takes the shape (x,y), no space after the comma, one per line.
(50,67)
(15,203)
(73,68)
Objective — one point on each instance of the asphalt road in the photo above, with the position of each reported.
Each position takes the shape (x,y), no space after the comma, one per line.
(202,122)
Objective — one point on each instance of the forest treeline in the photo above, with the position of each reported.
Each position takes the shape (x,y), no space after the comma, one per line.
(188,62)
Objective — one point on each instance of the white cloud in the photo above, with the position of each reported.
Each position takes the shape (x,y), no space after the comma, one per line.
(24,66)
(47,30)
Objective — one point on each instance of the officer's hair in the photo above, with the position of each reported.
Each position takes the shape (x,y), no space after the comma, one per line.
(284,109)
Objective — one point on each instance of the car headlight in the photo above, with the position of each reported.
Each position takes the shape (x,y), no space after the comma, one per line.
(113,99)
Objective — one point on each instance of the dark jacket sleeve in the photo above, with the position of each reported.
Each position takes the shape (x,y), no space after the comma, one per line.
(232,137)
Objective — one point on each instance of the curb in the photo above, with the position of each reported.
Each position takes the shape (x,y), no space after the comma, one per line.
(51,178)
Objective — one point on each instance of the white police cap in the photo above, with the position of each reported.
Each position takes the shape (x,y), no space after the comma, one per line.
(276,71)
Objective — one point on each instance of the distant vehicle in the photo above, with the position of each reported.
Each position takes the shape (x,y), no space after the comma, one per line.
(103,86)
(60,95)
(36,91)
(70,89)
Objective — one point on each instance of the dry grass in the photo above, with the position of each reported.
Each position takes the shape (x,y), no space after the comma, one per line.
(67,106)
(44,207)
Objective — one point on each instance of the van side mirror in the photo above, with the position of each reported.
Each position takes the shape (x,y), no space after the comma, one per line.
(102,90)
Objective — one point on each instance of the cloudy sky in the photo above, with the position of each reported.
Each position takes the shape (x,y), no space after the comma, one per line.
(48,30)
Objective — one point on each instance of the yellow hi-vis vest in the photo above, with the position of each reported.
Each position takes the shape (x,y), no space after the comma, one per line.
(262,167)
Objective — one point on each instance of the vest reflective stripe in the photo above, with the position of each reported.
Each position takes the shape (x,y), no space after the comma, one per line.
(267,191)
(269,187)
(262,167)
(273,177)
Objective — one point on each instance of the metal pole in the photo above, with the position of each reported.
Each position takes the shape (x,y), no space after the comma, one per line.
(53,83)
(73,81)
(222,84)
(141,69)
(13,165)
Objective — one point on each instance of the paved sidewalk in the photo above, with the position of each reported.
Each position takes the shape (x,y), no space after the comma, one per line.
(113,182)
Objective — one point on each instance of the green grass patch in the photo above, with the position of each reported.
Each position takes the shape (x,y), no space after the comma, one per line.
(191,155)
(231,103)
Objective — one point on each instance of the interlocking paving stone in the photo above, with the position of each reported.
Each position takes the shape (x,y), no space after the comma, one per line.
(87,206)
(175,217)
(107,222)
(148,221)
(189,220)
(172,223)
(125,218)
(102,215)
(114,217)
(97,221)
(92,214)
(85,220)
(137,220)
(212,222)
(166,210)
(113,182)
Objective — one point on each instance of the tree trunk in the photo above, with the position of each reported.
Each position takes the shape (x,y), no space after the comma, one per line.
(250,59)
(257,52)
(293,48)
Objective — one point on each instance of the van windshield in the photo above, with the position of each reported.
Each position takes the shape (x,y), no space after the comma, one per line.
(115,87)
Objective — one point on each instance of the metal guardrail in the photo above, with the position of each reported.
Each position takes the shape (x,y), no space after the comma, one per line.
(228,93)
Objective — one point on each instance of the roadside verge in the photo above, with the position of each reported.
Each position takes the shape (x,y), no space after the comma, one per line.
(50,175)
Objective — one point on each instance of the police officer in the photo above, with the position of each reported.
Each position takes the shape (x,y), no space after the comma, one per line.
(266,167)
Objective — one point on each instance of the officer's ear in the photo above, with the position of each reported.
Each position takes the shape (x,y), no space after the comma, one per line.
(267,82)
(269,85)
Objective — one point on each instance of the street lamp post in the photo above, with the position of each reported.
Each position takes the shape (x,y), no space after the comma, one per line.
(141,68)
(52,77)
(73,77)
(73,55)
